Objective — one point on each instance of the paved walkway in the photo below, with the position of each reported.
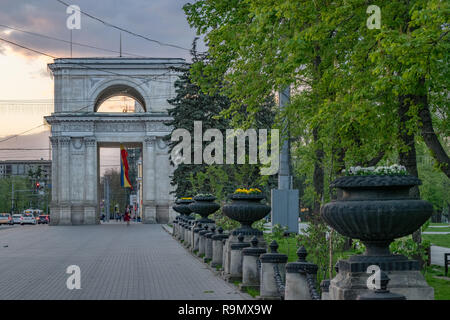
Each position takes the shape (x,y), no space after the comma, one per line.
(116,262)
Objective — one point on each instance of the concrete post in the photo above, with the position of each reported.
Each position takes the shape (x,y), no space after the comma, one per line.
(268,285)
(236,259)
(208,244)
(251,265)
(296,274)
(217,247)
(201,240)
(196,236)
(192,234)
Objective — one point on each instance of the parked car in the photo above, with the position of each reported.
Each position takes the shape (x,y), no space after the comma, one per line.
(28,218)
(5,218)
(43,219)
(16,218)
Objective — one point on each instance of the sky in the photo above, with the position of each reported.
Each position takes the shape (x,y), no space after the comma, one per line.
(26,87)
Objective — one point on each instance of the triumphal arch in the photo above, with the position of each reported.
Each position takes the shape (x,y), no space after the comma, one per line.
(78,131)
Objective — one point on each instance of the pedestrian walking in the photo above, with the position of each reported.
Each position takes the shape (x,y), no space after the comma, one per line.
(127,216)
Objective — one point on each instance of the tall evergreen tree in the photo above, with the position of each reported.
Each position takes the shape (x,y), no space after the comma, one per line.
(192,104)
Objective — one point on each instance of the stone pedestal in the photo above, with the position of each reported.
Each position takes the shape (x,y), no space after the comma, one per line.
(174,227)
(197,236)
(149,212)
(90,215)
(201,241)
(233,238)
(296,277)
(405,276)
(185,233)
(325,289)
(208,244)
(65,218)
(236,259)
(192,235)
(251,265)
(188,234)
(217,247)
(268,285)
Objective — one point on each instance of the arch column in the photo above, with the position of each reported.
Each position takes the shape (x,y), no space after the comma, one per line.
(64,182)
(90,192)
(54,207)
(149,180)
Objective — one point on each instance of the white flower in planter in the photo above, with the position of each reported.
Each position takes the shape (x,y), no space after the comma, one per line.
(394,169)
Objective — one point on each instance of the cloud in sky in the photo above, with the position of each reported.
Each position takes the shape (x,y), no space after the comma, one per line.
(163,20)
(24,74)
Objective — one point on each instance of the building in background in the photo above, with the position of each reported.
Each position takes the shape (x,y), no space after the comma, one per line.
(22,168)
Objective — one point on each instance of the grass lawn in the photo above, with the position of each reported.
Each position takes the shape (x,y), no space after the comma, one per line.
(438,239)
(253,292)
(288,246)
(441,286)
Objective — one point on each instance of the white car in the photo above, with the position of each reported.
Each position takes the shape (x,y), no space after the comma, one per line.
(17,218)
(28,218)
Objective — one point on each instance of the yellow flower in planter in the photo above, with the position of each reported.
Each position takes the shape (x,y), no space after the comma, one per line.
(247,191)
(186,198)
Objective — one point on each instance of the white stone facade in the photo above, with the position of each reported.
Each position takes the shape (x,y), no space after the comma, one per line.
(78,132)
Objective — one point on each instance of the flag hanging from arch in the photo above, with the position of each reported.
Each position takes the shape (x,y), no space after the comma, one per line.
(124,179)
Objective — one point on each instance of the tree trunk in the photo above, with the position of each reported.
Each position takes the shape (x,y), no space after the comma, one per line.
(428,134)
(318,175)
(408,157)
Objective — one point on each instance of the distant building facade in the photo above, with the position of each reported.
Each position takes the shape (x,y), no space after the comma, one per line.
(21,168)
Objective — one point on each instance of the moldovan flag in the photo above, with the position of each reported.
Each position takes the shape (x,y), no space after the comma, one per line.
(124,180)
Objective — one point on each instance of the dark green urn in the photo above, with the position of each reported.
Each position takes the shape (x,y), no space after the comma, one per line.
(204,206)
(182,206)
(376,210)
(246,209)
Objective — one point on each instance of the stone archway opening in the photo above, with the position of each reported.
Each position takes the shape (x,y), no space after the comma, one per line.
(120,104)
(120,98)
(113,198)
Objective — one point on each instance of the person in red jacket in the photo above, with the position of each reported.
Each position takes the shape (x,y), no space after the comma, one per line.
(127,216)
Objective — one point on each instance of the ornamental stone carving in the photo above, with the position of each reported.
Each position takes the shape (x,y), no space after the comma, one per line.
(162,145)
(77,143)
(150,141)
(64,141)
(90,141)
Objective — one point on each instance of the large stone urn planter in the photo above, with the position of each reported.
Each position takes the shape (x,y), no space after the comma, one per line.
(246,209)
(377,210)
(204,206)
(182,207)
